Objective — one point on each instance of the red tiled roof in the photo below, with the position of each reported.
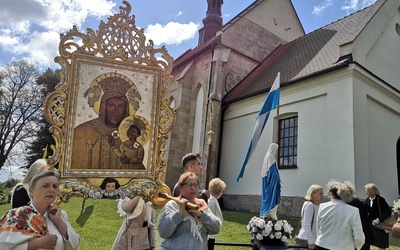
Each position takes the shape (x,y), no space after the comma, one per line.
(309,55)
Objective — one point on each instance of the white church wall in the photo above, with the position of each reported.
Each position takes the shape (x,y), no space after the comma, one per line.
(377,47)
(284,23)
(325,141)
(377,111)
(382,138)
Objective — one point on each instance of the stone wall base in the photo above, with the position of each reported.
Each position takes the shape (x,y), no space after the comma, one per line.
(290,206)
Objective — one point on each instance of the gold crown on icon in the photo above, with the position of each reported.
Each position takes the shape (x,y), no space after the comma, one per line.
(112,82)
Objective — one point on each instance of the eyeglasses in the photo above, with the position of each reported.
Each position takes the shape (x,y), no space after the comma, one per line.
(190,184)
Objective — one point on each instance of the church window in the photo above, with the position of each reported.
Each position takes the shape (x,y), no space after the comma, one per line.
(288,143)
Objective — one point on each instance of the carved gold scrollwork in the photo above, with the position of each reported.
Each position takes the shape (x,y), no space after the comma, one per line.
(121,41)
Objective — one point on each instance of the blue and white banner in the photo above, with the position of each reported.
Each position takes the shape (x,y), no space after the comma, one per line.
(270,103)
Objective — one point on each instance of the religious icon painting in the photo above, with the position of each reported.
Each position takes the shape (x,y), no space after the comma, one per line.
(110,115)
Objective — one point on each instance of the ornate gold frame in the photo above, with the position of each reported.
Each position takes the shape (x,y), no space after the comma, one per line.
(118,47)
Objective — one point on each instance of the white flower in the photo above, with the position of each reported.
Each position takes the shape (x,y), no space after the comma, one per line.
(259,237)
(287,228)
(277,227)
(267,229)
(260,224)
(396,206)
(261,229)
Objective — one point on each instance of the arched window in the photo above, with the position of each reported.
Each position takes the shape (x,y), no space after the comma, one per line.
(198,121)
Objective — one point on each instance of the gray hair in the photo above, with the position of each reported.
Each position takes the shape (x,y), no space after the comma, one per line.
(41,175)
(341,191)
(35,168)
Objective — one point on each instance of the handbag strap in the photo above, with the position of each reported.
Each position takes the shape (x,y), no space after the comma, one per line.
(379,206)
(126,221)
(312,220)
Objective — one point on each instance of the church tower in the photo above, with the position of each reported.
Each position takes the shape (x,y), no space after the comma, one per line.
(212,22)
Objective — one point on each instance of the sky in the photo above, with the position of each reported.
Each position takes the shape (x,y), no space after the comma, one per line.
(33,30)
(30,29)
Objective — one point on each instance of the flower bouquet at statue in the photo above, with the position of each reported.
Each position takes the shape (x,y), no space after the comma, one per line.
(269,232)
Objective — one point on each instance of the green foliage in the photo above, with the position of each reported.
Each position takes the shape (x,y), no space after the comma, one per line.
(48,80)
(99,223)
(10,183)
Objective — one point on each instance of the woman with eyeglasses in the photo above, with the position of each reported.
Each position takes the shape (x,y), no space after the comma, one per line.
(179,226)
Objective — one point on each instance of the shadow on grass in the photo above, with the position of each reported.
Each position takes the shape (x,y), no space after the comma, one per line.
(81,220)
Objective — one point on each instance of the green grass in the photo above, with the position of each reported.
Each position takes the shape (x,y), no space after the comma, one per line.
(98,224)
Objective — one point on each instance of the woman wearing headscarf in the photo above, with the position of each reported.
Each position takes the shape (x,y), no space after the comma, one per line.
(91,149)
(271,184)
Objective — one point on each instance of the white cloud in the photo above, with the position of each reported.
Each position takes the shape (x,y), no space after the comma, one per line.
(318,9)
(354,5)
(63,14)
(171,33)
(16,173)
(349,6)
(7,41)
(366,3)
(33,30)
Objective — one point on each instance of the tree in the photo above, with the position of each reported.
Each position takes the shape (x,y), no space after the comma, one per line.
(10,183)
(48,80)
(20,107)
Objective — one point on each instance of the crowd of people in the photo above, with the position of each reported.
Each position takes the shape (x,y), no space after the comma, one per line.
(193,219)
(344,222)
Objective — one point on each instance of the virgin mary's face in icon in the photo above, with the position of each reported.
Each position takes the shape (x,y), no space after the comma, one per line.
(115,111)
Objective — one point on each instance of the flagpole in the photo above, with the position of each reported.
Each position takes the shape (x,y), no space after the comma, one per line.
(277,135)
(277,126)
(277,132)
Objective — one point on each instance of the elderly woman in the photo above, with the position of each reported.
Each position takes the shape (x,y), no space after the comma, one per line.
(308,231)
(378,210)
(42,224)
(183,228)
(339,224)
(217,187)
(19,194)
